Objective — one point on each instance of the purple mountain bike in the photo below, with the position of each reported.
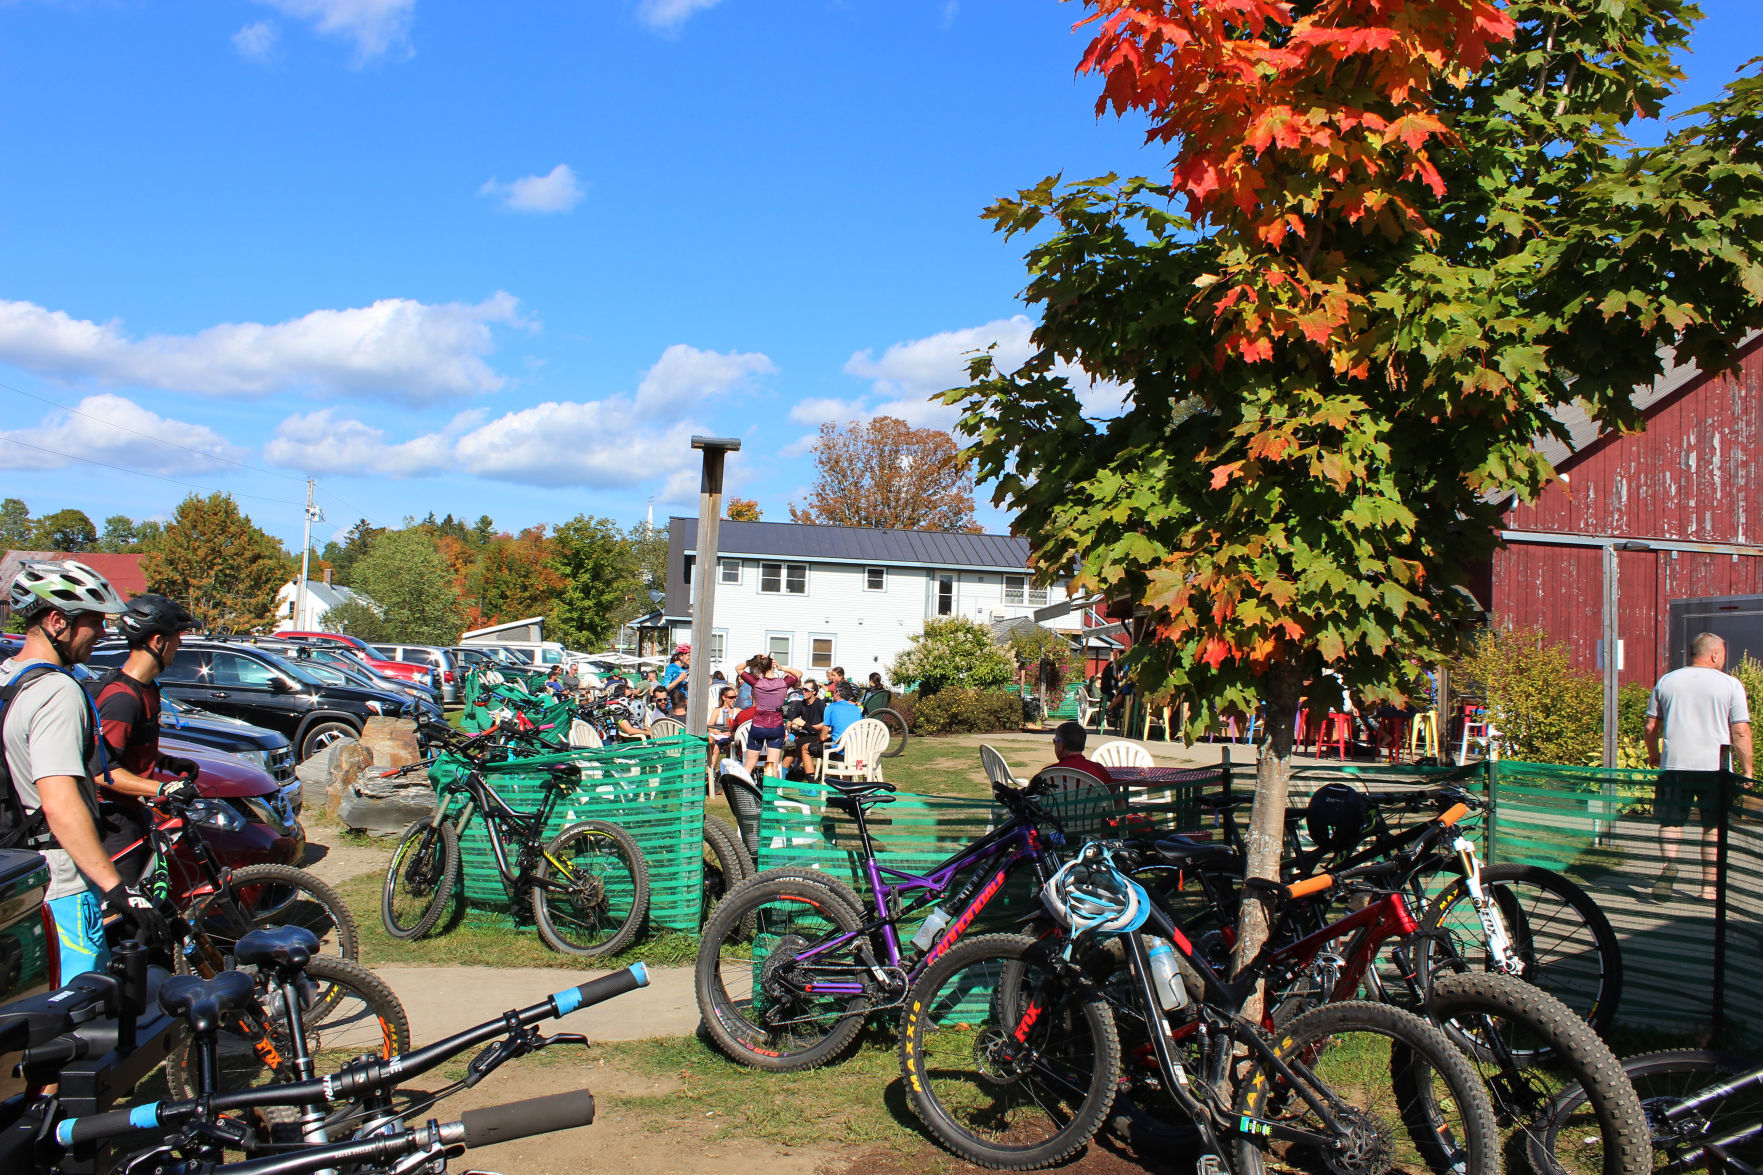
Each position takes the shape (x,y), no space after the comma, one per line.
(793,962)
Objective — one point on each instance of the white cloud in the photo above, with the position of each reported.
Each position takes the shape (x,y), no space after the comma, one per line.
(377,27)
(396,348)
(256,41)
(669,15)
(120,431)
(622,440)
(555,191)
(685,375)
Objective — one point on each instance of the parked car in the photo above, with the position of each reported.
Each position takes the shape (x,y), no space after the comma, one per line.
(357,672)
(27,937)
(239,680)
(417,674)
(435,657)
(259,747)
(543,654)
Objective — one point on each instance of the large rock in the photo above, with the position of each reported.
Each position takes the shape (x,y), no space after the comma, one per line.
(392,742)
(314,775)
(349,761)
(385,807)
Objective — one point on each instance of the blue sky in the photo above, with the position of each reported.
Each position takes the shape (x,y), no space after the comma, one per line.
(507,258)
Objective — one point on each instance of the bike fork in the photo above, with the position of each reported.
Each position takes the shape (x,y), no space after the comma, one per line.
(1493,928)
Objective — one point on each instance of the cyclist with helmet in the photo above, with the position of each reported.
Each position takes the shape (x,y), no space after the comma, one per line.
(128,713)
(677,664)
(48,729)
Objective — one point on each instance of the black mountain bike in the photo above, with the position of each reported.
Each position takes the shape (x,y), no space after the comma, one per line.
(588,888)
(1704,1109)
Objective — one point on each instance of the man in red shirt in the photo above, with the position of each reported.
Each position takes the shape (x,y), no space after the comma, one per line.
(1068,751)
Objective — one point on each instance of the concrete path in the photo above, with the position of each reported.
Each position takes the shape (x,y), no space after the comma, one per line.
(444,1000)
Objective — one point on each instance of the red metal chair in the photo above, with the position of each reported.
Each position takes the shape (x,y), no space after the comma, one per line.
(1336,731)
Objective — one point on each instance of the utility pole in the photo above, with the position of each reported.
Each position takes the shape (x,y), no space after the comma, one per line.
(704,579)
(312,512)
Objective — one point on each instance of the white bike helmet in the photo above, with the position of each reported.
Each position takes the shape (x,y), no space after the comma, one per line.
(1094,896)
(65,585)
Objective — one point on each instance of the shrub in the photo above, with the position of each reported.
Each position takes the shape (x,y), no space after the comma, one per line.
(1545,710)
(906,706)
(1046,657)
(967,711)
(952,651)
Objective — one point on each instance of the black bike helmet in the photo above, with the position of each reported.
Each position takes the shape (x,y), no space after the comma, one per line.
(150,615)
(1335,818)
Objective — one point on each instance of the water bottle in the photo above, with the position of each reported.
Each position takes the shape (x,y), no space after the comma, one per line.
(1171,992)
(933,926)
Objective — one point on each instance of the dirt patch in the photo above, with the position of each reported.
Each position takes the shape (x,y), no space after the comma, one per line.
(336,862)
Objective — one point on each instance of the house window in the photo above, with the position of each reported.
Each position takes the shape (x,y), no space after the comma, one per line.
(820,652)
(945,595)
(1018,591)
(778,647)
(718,642)
(731,570)
(691,561)
(783,578)
(875,579)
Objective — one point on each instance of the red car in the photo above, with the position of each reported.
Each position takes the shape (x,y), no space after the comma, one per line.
(411,672)
(267,831)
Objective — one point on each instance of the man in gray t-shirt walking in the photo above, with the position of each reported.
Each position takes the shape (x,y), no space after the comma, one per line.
(1699,711)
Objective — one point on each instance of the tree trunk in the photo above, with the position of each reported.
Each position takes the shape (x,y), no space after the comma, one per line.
(1265,840)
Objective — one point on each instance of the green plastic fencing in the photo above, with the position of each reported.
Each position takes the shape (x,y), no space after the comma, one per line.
(1690,966)
(653,790)
(917,832)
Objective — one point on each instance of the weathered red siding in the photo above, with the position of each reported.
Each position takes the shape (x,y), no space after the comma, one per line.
(1691,476)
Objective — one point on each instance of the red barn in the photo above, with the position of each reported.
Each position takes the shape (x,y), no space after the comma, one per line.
(1680,510)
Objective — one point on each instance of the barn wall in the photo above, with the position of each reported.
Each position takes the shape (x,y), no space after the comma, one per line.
(1691,476)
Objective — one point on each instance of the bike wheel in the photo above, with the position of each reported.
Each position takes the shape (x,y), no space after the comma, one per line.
(724,867)
(302,900)
(1501,1023)
(753,994)
(1410,1101)
(1563,941)
(420,879)
(1660,1081)
(1010,1056)
(603,895)
(896,730)
(363,1018)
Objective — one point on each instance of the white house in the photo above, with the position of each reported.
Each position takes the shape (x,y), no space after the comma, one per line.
(819,596)
(321,597)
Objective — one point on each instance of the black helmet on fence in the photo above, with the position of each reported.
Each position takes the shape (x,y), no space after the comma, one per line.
(152,615)
(1335,818)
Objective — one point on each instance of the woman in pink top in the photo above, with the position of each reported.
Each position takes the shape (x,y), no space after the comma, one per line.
(769,684)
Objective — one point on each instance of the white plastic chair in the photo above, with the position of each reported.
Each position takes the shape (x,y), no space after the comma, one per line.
(1084,804)
(1121,753)
(666,728)
(582,734)
(860,748)
(997,770)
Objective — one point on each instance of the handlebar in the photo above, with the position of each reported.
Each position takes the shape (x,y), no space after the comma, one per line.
(1327,881)
(362,1075)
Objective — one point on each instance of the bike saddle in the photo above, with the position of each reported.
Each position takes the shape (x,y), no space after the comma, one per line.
(202,1002)
(285,947)
(852,794)
(1185,853)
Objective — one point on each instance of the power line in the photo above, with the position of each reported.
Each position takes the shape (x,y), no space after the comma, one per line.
(341,501)
(149,436)
(141,473)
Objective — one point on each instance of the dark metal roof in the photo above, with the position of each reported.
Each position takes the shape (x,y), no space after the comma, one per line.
(858,544)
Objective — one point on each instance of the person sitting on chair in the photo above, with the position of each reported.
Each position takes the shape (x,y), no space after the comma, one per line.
(1068,752)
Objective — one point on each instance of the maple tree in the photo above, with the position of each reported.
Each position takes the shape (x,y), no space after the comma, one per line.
(514,579)
(1393,235)
(743,510)
(214,561)
(884,473)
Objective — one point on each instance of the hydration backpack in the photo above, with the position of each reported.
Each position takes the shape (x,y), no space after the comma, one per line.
(19,829)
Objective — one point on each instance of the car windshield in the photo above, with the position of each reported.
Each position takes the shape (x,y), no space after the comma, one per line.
(289,667)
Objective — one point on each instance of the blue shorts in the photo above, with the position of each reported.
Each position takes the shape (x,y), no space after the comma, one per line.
(79,933)
(768,737)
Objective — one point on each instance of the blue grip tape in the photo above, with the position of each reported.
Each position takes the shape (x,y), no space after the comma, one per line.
(144,1116)
(567,1001)
(64,1132)
(641,971)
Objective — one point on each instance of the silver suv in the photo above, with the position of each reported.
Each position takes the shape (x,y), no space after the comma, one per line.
(440,660)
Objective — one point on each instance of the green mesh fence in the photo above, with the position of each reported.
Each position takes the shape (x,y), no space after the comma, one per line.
(915,833)
(653,790)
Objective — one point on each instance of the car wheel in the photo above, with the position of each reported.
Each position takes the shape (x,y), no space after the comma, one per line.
(323,735)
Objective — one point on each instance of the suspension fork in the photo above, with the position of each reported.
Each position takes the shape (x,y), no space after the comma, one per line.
(1493,927)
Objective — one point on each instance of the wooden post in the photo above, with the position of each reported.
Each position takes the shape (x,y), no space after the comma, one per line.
(704,607)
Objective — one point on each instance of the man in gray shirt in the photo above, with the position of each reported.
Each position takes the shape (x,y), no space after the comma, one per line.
(1699,711)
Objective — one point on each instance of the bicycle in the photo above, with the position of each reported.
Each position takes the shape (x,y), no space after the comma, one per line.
(588,887)
(809,961)
(1011,1055)
(1704,1109)
(357,1100)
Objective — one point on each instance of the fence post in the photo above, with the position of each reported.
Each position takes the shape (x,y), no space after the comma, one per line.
(1493,786)
(1718,1012)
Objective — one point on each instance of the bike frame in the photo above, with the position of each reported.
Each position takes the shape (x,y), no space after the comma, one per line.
(1017,841)
(1677,1112)
(496,811)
